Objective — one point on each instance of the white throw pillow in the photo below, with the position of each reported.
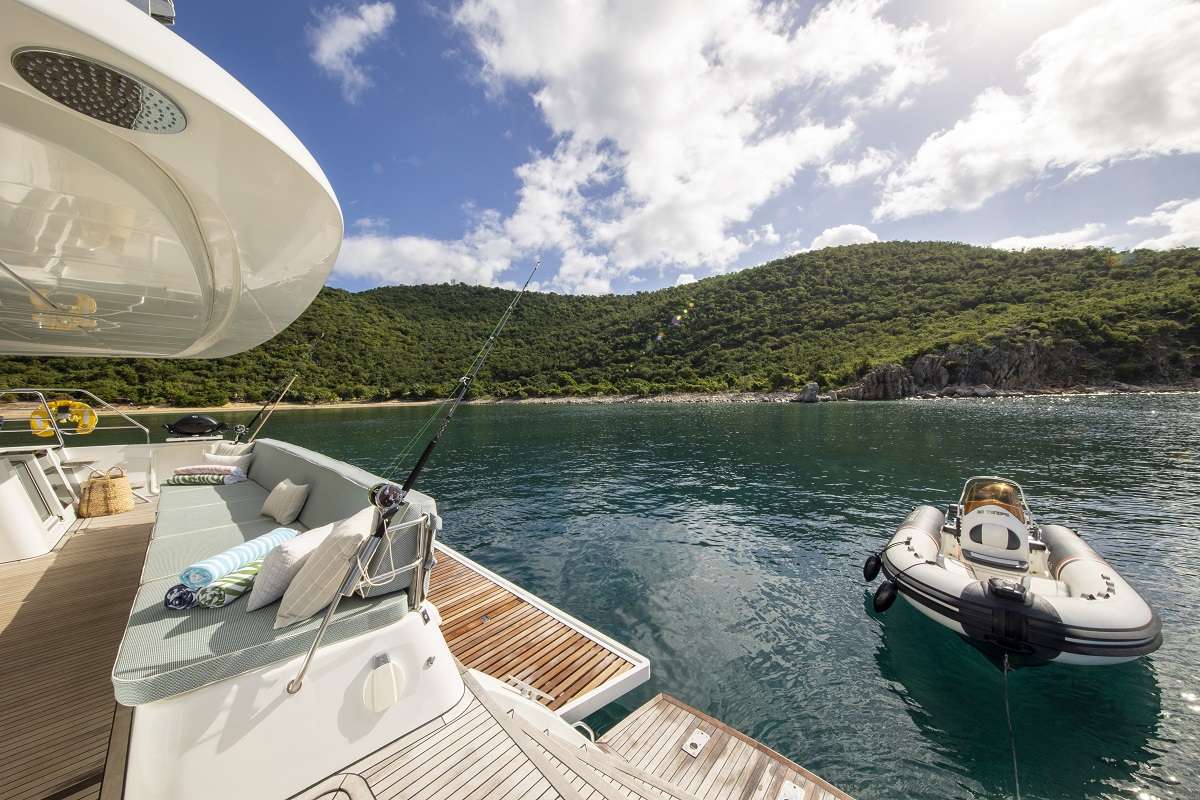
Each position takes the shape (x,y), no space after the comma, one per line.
(230,448)
(282,564)
(319,579)
(241,462)
(285,501)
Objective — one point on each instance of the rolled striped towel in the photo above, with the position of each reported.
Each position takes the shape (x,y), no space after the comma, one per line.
(202,573)
(224,591)
(204,480)
(210,469)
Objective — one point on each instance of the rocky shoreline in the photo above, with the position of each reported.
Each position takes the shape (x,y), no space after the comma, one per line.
(844,395)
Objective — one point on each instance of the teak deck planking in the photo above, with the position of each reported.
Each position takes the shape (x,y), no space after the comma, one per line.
(495,631)
(61,619)
(731,766)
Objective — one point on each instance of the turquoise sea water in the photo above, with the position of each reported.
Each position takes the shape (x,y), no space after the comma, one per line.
(725,542)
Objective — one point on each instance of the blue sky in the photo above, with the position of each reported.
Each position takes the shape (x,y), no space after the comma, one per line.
(637,144)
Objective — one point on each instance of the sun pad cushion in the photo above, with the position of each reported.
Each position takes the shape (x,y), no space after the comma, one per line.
(337,490)
(165,653)
(181,521)
(176,497)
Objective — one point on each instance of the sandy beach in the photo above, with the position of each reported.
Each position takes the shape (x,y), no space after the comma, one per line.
(670,397)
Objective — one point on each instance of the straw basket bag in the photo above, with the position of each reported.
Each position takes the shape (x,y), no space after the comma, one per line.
(106,493)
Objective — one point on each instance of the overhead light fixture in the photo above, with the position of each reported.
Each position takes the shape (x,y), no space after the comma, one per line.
(99,91)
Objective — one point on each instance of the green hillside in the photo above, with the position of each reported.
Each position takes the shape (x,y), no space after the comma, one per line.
(827,316)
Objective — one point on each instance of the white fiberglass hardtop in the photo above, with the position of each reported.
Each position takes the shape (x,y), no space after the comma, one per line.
(149,204)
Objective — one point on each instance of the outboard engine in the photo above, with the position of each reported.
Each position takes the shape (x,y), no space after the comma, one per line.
(194,425)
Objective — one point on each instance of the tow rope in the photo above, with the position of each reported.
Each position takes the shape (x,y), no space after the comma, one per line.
(1012,742)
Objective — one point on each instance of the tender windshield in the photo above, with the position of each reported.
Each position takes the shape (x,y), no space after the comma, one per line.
(989,491)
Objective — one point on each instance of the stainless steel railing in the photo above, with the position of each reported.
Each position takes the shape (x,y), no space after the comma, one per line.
(357,577)
(39,394)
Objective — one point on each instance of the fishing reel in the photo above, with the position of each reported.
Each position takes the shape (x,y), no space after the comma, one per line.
(386,496)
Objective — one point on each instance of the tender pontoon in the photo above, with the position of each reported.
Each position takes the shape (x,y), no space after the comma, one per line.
(1032,593)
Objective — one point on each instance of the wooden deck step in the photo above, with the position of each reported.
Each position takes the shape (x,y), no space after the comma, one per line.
(472,752)
(502,631)
(729,764)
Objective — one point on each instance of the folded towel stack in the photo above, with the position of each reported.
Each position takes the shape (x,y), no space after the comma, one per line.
(210,469)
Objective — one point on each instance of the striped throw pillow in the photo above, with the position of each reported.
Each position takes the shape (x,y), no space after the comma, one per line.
(318,581)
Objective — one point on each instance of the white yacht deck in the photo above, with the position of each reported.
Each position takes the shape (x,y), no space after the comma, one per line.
(62,616)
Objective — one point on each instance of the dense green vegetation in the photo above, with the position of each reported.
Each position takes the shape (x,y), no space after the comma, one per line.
(828,316)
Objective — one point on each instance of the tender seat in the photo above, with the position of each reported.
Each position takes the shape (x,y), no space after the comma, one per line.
(994,537)
(165,653)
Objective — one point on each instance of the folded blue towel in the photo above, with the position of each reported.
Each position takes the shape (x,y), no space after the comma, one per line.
(202,573)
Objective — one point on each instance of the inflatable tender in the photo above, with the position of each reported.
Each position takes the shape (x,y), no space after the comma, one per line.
(1012,588)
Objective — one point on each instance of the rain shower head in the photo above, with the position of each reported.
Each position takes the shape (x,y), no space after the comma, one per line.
(99,91)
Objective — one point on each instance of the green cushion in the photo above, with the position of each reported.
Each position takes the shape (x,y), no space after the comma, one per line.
(180,521)
(166,653)
(174,497)
(168,556)
(336,490)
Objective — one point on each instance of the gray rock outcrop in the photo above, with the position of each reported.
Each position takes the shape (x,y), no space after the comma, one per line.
(1008,366)
(809,393)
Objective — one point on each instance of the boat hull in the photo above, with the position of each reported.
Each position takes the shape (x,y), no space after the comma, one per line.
(1073,626)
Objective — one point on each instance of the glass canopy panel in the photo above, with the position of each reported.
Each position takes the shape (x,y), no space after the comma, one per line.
(91,255)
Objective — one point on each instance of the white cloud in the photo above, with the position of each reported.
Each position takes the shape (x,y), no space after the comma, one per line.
(371,223)
(1087,235)
(548,205)
(1117,82)
(1180,217)
(684,278)
(843,234)
(872,162)
(340,37)
(683,118)
(477,258)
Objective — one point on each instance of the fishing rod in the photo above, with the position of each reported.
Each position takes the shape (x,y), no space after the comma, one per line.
(388,498)
(456,397)
(273,399)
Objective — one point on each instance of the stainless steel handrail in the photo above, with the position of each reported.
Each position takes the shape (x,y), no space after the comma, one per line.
(42,400)
(357,577)
(41,392)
